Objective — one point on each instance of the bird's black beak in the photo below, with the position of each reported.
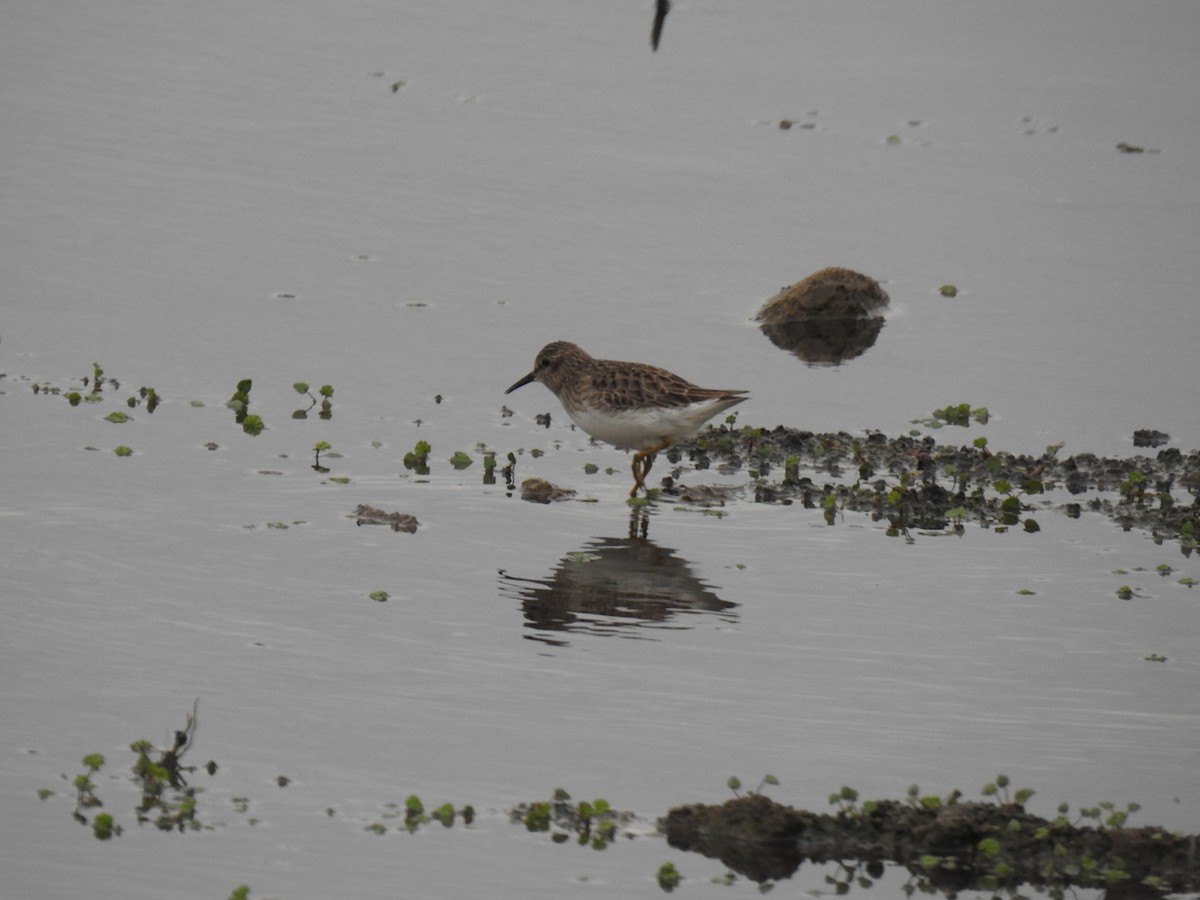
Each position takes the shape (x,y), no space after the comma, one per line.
(524,381)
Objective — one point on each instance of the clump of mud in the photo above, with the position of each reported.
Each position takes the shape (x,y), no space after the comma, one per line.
(915,483)
(950,847)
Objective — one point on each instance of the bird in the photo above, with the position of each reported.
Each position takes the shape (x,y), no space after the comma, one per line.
(633,406)
(661,8)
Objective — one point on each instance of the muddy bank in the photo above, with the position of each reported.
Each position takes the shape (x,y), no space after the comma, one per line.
(950,847)
(915,483)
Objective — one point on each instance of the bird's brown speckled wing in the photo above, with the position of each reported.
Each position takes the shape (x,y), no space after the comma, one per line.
(626,385)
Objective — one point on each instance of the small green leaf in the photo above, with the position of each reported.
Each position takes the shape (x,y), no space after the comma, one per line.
(989,846)
(668,876)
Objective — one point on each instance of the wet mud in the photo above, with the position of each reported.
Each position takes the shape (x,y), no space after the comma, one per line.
(914,483)
(949,848)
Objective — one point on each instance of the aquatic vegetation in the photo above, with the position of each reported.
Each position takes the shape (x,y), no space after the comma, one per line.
(122,450)
(103,827)
(460,460)
(415,815)
(417,459)
(593,823)
(735,784)
(240,404)
(379,596)
(948,290)
(98,379)
(946,844)
(240,399)
(959,414)
(913,484)
(148,395)
(166,798)
(509,471)
(165,792)
(116,417)
(318,448)
(85,788)
(999,788)
(326,392)
(668,877)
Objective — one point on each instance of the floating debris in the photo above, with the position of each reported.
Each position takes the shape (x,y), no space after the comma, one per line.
(397,521)
(1148,437)
(538,490)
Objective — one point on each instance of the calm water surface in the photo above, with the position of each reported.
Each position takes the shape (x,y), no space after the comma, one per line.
(199,197)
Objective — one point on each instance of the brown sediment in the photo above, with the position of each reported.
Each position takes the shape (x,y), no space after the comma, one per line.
(950,847)
(913,482)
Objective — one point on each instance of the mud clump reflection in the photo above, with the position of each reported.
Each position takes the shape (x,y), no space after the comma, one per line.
(828,318)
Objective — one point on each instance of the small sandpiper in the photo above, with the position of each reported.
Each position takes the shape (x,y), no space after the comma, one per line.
(632,406)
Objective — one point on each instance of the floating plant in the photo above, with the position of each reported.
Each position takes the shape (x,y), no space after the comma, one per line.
(240,404)
(668,877)
(326,392)
(318,447)
(417,459)
(593,823)
(148,395)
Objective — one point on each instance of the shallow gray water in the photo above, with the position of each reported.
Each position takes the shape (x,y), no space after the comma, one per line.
(199,196)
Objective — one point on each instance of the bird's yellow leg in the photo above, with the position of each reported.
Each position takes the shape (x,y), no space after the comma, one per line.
(642,461)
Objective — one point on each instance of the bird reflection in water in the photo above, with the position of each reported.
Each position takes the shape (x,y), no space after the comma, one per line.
(614,586)
(826,319)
